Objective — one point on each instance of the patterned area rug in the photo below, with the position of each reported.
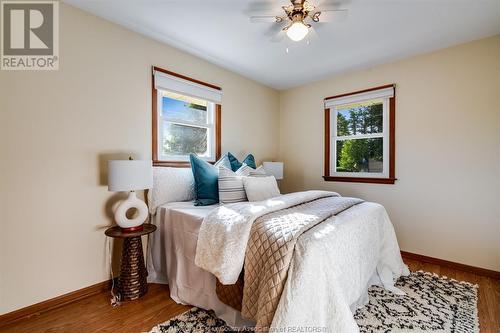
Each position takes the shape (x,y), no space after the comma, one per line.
(431,304)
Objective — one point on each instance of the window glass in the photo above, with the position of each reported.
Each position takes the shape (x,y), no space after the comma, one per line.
(179,140)
(360,155)
(180,107)
(186,126)
(360,118)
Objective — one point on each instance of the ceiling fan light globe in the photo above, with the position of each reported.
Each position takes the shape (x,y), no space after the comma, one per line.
(297,31)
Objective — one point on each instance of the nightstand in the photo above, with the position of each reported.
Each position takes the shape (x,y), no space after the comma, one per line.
(132,282)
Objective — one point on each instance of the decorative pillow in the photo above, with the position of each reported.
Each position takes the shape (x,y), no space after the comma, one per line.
(206,178)
(231,187)
(223,161)
(259,172)
(170,185)
(260,188)
(246,171)
(235,164)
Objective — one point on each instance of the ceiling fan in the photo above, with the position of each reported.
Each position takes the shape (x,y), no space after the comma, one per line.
(297,14)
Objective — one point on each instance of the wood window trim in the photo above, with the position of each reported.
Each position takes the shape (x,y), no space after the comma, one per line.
(392,143)
(154,137)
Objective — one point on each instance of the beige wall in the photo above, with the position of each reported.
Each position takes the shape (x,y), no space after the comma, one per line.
(446,203)
(58,128)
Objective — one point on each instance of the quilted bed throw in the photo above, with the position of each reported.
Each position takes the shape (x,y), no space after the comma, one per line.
(270,249)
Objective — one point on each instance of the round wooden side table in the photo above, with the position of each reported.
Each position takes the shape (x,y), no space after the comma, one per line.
(132,282)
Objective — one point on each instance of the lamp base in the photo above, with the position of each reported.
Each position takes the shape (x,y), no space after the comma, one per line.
(134,223)
(133,229)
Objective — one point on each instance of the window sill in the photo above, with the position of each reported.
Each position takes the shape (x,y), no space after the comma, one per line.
(172,164)
(368,180)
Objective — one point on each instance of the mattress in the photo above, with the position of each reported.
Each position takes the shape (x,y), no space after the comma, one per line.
(172,251)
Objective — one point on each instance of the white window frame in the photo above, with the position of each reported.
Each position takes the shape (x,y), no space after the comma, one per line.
(210,126)
(384,135)
(387,94)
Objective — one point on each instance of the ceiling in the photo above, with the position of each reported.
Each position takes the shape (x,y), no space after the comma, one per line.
(371,32)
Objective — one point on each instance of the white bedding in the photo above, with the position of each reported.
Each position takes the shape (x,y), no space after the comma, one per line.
(178,224)
(332,267)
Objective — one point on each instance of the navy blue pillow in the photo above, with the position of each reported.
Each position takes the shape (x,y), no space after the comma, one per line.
(235,164)
(206,179)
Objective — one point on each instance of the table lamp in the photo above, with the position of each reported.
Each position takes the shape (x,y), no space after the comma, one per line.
(274,168)
(130,176)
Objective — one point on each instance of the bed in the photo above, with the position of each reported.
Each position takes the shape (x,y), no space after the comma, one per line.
(171,258)
(326,250)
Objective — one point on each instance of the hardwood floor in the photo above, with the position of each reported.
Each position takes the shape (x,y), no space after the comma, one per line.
(94,314)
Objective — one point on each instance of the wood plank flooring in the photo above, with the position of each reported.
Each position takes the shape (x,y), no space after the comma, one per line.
(94,314)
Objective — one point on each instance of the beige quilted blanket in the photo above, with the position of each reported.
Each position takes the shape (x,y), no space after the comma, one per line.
(224,233)
(270,249)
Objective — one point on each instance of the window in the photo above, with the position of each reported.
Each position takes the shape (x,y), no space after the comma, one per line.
(359,136)
(186,119)
(186,125)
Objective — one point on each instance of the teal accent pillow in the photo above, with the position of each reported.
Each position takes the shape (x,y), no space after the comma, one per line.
(235,164)
(206,179)
(223,161)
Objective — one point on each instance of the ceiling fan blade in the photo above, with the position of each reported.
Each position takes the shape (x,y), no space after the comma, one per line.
(276,29)
(320,26)
(263,19)
(330,15)
(275,32)
(334,10)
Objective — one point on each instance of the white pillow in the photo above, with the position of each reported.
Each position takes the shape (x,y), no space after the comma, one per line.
(260,188)
(170,185)
(231,187)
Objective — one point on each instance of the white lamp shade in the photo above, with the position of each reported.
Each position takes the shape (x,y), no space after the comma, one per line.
(129,175)
(274,168)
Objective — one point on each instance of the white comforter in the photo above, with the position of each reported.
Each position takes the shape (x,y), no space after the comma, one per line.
(332,267)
